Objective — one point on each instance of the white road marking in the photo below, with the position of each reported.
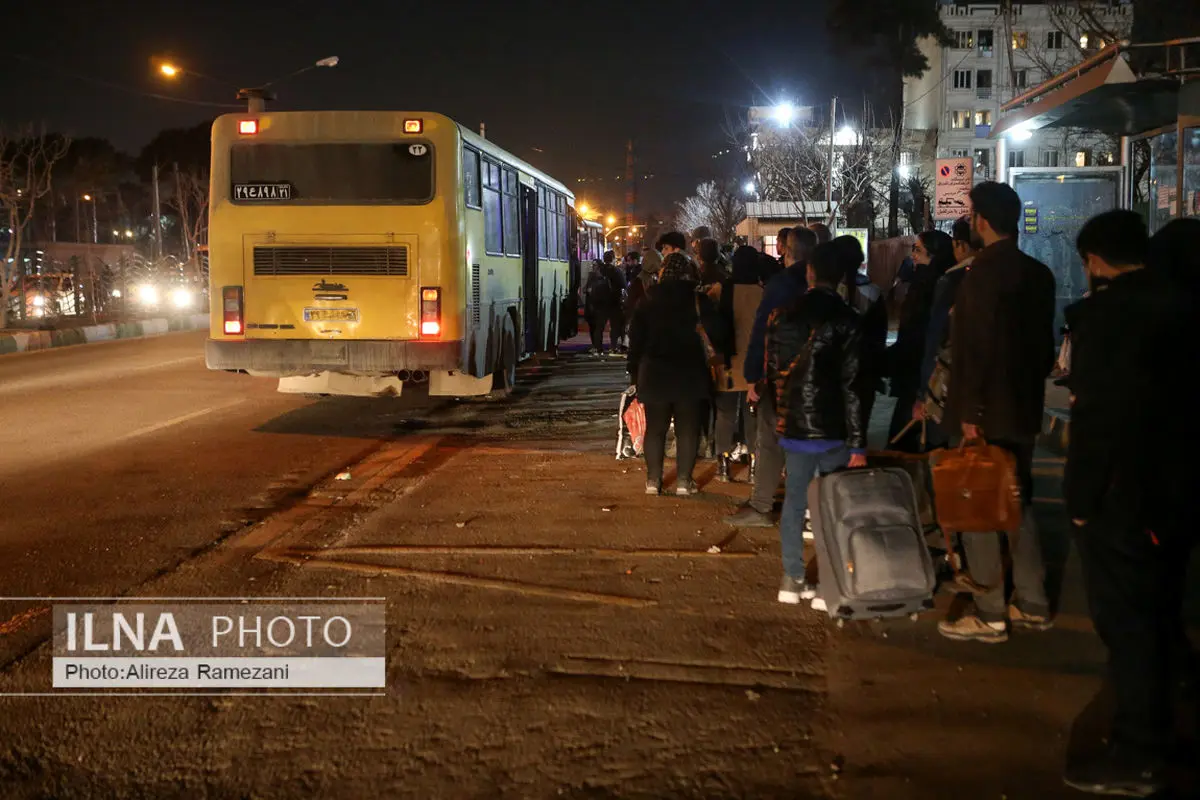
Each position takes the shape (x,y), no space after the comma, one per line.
(177,420)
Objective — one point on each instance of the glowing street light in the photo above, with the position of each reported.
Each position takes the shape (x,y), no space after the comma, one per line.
(749,187)
(583,209)
(612,220)
(1022,133)
(783,113)
(170,70)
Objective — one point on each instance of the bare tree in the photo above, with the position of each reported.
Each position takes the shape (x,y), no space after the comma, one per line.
(27,159)
(191,204)
(715,205)
(1080,29)
(791,165)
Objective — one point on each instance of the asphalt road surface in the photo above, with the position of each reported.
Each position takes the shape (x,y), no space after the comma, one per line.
(552,631)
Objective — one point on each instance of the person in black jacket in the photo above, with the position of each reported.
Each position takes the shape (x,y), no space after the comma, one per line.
(812,364)
(966,246)
(1130,488)
(932,254)
(604,297)
(667,364)
(1001,352)
(867,299)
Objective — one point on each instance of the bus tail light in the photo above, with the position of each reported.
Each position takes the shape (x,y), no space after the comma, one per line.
(431,312)
(413,126)
(231,305)
(247,127)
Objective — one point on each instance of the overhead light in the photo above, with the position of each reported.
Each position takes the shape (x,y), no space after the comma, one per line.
(1022,132)
(783,113)
(749,187)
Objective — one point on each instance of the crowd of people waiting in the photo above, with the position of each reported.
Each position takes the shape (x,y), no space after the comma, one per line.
(786,357)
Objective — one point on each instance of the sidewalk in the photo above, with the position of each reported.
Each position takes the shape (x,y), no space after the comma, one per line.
(633,644)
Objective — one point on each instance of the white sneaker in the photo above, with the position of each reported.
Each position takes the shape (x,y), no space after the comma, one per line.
(791,591)
(818,604)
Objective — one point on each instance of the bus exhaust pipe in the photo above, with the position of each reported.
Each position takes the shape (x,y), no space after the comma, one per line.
(419,376)
(404,375)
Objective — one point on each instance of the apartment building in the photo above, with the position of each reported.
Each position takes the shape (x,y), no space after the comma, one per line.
(999,51)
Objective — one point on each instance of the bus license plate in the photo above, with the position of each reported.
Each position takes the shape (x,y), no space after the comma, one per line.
(331,315)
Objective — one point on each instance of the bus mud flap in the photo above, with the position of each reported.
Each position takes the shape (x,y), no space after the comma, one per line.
(457,384)
(336,383)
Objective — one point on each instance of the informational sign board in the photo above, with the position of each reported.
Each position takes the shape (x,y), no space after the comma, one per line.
(862,234)
(952,190)
(1031,218)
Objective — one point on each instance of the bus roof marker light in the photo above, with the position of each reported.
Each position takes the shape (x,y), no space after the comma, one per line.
(247,127)
(413,126)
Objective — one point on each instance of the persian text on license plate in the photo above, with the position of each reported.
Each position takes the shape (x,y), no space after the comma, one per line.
(331,315)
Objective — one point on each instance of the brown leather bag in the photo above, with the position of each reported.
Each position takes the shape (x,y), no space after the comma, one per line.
(975,488)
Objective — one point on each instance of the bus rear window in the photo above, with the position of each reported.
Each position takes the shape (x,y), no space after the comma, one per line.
(332,174)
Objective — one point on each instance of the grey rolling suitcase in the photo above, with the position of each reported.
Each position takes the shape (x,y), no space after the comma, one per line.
(872,557)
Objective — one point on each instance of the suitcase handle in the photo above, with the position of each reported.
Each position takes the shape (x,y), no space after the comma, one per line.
(908,427)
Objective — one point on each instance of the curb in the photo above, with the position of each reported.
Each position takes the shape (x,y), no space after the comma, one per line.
(30,341)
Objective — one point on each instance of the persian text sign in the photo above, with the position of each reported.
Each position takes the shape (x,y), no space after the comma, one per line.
(198,646)
(952,188)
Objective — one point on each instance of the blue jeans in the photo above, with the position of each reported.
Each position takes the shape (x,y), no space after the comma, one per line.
(801,469)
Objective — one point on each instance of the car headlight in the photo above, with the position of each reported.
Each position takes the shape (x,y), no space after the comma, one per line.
(181,298)
(147,294)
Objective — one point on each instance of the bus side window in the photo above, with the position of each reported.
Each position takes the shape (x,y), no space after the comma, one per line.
(541,223)
(471,178)
(492,219)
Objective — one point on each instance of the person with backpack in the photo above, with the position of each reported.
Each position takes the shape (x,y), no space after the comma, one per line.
(604,296)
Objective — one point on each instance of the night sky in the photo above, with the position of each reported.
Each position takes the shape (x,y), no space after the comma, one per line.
(560,84)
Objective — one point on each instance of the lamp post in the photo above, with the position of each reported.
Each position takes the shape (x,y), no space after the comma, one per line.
(88,198)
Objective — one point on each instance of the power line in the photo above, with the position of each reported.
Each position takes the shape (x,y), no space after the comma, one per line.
(119,87)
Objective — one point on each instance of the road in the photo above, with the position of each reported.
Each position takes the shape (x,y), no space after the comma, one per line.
(553,632)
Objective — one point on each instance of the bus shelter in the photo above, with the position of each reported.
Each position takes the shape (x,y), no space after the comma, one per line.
(1147,96)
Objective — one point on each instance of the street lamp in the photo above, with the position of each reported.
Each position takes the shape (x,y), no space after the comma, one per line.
(611,219)
(749,187)
(783,113)
(87,198)
(256,98)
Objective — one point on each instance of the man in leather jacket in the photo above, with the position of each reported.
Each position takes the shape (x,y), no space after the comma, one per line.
(812,365)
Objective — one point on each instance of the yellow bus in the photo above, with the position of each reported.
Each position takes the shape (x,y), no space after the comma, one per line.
(354,252)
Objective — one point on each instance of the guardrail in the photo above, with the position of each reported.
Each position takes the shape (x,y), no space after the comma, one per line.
(30,341)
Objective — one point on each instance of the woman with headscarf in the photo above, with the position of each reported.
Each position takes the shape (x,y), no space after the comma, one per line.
(640,283)
(669,366)
(932,255)
(738,302)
